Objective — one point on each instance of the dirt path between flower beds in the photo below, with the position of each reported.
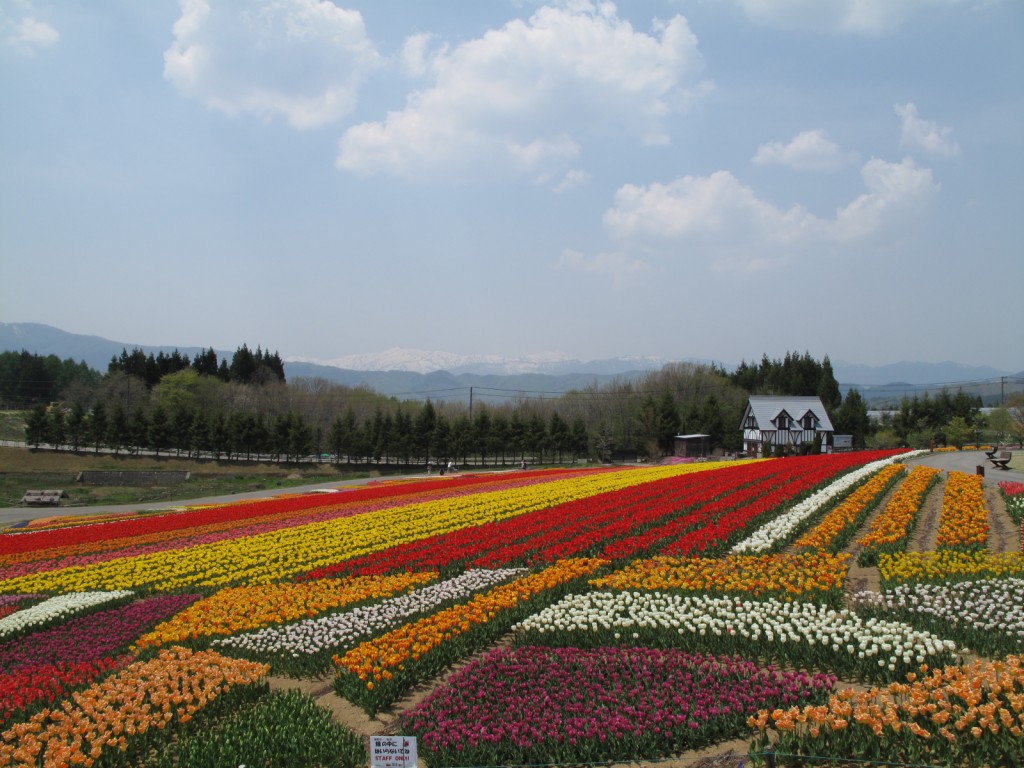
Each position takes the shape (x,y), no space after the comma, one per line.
(1003,534)
(926,529)
(860,578)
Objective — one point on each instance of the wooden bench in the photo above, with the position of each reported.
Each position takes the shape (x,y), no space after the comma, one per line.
(43,498)
(1003,460)
(992,454)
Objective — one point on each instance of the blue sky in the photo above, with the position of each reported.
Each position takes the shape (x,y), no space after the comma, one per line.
(713,179)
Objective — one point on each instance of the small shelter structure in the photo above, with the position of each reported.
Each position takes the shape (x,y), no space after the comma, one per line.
(789,423)
(691,446)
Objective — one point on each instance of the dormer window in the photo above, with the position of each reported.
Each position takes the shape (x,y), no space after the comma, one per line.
(782,421)
(809,421)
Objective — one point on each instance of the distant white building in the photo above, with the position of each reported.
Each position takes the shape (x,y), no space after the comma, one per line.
(791,422)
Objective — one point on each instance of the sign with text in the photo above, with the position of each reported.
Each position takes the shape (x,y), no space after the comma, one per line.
(393,752)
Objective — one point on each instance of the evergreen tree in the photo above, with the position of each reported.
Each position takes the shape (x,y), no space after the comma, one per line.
(77,426)
(243,366)
(37,426)
(98,426)
(482,434)
(851,418)
(205,363)
(668,423)
(159,436)
(138,430)
(558,435)
(579,439)
(423,430)
(117,429)
(828,387)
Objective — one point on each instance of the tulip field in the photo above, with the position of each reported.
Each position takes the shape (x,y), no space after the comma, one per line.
(562,616)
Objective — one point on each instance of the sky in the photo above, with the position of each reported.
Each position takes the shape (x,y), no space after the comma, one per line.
(680,179)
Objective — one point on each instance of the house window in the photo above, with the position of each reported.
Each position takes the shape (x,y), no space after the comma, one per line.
(782,421)
(750,422)
(809,421)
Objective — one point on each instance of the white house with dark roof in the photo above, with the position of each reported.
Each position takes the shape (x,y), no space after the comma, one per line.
(791,422)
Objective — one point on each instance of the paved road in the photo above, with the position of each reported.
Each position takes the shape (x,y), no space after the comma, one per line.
(967,461)
(14,515)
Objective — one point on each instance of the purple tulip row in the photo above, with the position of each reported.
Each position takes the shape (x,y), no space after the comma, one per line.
(532,702)
(91,637)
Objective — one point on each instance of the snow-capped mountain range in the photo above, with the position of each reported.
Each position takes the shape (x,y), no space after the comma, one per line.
(97,352)
(429,361)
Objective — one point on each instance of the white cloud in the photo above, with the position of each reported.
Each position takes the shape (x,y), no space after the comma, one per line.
(303,60)
(894,189)
(925,135)
(415,54)
(572,179)
(618,268)
(525,97)
(730,225)
(22,32)
(858,17)
(808,151)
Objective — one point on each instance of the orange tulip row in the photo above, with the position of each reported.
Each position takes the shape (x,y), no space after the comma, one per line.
(892,526)
(962,705)
(237,609)
(373,660)
(794,575)
(849,511)
(963,519)
(146,697)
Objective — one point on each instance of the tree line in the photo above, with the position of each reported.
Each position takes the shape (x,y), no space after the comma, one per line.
(244,408)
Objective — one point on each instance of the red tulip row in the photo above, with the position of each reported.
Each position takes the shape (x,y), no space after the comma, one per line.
(722,521)
(123,532)
(664,516)
(527,537)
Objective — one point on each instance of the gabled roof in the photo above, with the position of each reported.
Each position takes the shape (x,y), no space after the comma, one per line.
(767,407)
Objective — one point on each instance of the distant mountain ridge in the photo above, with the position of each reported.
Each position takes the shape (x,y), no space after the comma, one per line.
(430,361)
(418,374)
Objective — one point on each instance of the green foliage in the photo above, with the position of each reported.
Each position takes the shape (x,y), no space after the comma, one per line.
(28,379)
(798,375)
(851,418)
(929,416)
(284,728)
(957,431)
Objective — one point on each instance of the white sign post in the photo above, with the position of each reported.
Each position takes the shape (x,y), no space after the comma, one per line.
(393,752)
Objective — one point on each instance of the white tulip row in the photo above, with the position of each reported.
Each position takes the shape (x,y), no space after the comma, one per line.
(875,641)
(780,528)
(334,631)
(992,605)
(60,606)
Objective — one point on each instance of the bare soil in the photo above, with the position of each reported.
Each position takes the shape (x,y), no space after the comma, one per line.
(1003,534)
(926,528)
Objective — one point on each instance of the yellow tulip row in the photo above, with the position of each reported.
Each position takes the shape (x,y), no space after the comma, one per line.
(845,513)
(375,659)
(963,518)
(945,564)
(282,554)
(892,525)
(793,575)
(150,695)
(237,609)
